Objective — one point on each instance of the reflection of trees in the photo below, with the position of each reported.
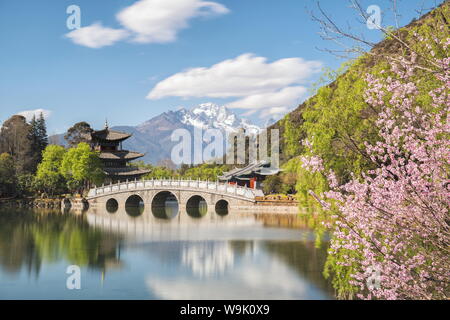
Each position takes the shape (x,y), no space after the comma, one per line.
(29,238)
(304,258)
(301,256)
(16,244)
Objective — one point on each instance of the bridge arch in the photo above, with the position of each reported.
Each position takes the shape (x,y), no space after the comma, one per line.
(196,207)
(156,193)
(222,207)
(165,205)
(112,205)
(134,205)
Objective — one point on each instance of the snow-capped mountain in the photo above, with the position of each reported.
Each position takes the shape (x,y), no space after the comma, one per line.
(210,115)
(153,137)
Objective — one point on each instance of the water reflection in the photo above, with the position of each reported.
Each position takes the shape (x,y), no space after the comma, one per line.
(29,239)
(135,212)
(131,258)
(234,270)
(233,273)
(196,207)
(208,259)
(134,206)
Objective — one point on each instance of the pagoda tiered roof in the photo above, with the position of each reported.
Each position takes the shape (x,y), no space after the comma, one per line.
(110,135)
(261,168)
(120,155)
(126,171)
(109,143)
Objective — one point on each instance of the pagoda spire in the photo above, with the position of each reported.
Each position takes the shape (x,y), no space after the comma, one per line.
(106,123)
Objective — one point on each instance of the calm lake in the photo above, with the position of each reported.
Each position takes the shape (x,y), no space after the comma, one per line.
(128,258)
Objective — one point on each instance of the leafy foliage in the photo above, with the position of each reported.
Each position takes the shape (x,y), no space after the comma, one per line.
(337,120)
(24,143)
(15,140)
(204,172)
(7,175)
(81,166)
(48,176)
(38,137)
(272,185)
(78,133)
(395,217)
(338,123)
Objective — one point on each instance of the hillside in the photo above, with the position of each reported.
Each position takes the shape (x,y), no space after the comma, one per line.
(346,90)
(337,120)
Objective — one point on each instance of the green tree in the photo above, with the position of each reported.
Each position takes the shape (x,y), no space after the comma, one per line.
(15,140)
(81,167)
(272,185)
(79,132)
(338,122)
(289,180)
(8,178)
(160,173)
(205,171)
(293,134)
(42,132)
(26,184)
(183,169)
(39,139)
(48,176)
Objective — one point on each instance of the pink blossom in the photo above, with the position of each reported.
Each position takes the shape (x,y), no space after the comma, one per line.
(397,216)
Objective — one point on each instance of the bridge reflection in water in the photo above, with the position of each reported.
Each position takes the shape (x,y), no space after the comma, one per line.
(228,258)
(168,199)
(148,227)
(225,258)
(164,206)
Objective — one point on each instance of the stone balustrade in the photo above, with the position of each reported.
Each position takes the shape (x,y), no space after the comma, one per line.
(180,184)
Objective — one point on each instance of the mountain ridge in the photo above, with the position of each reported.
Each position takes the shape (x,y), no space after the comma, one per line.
(153,137)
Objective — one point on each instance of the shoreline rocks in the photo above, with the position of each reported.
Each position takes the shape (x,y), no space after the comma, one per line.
(31,203)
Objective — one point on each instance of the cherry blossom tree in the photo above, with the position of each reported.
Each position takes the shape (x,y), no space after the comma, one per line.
(395,219)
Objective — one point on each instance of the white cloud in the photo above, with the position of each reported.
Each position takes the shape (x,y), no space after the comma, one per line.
(28,114)
(273,279)
(269,113)
(96,36)
(243,76)
(271,88)
(270,103)
(276,112)
(160,20)
(147,21)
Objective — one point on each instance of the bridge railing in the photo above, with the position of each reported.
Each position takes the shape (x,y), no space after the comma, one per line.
(211,186)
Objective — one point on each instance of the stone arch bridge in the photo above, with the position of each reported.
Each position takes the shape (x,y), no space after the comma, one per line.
(191,197)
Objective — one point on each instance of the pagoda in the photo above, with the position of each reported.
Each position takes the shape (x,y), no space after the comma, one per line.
(251,176)
(115,160)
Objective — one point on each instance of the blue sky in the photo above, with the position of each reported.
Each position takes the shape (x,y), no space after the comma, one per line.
(258,57)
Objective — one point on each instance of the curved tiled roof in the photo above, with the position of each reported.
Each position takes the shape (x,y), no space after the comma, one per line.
(127,171)
(261,168)
(110,135)
(120,155)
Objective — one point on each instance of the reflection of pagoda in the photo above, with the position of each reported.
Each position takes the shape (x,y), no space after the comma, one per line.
(109,144)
